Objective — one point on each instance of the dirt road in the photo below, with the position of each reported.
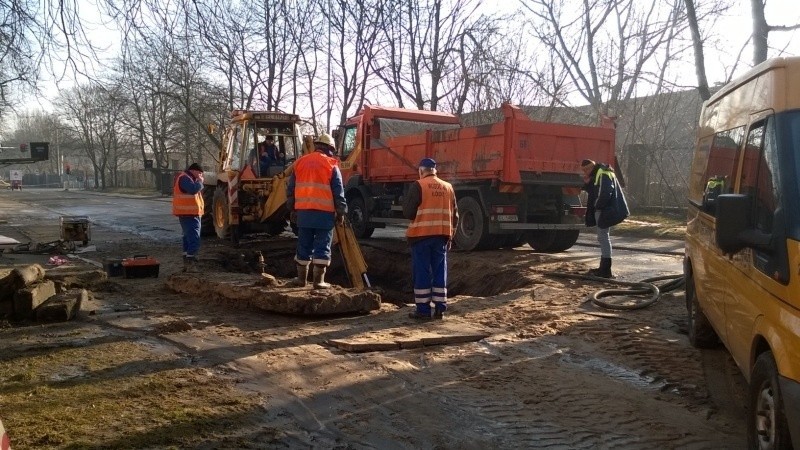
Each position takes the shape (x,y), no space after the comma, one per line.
(146,368)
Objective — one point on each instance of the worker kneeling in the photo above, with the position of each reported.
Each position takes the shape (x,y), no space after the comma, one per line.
(315,197)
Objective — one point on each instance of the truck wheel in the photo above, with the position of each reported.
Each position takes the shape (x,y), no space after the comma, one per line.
(220,213)
(701,333)
(767,427)
(357,213)
(564,240)
(207,221)
(471,232)
(541,240)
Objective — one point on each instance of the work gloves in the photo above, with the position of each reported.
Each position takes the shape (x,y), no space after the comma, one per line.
(340,218)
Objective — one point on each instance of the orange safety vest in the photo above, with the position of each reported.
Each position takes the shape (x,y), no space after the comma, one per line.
(184,204)
(435,211)
(312,187)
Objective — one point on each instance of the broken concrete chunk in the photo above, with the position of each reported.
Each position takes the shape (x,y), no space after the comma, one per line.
(62,307)
(82,276)
(18,279)
(6,309)
(29,298)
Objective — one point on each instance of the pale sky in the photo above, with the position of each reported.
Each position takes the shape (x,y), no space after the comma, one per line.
(733,31)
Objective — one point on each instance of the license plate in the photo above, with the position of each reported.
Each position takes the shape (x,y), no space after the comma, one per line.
(507,218)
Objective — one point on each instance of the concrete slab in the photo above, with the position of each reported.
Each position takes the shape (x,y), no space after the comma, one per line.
(254,291)
(417,335)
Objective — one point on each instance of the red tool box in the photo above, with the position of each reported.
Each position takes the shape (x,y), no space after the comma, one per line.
(140,266)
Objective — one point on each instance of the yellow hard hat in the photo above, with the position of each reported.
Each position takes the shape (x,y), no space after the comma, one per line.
(326,139)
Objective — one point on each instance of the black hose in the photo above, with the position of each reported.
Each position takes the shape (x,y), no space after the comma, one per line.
(644,287)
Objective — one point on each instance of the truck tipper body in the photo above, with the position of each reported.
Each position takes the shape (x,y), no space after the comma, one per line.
(516,181)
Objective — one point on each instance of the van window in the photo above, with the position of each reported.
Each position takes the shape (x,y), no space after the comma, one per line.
(721,165)
(760,173)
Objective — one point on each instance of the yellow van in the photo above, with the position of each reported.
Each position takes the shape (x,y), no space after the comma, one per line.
(742,263)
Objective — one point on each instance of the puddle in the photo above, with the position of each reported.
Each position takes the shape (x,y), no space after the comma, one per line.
(613,371)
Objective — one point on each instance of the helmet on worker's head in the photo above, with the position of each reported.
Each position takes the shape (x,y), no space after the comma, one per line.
(326,139)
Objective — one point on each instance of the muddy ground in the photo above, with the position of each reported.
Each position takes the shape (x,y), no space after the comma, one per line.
(143,367)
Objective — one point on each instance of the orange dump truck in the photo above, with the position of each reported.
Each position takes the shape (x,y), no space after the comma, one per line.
(516,181)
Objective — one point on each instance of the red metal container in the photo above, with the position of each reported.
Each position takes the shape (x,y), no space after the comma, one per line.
(140,266)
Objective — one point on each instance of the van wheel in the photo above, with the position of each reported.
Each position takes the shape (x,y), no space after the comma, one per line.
(471,232)
(701,333)
(767,427)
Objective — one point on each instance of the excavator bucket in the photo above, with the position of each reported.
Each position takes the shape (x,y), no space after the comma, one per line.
(354,263)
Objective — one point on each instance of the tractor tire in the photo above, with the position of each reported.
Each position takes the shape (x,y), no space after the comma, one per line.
(220,213)
(207,221)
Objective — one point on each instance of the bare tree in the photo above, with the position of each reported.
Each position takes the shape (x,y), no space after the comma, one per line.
(761,30)
(608,48)
(352,45)
(88,108)
(425,45)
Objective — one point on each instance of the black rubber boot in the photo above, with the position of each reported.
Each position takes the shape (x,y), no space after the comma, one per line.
(605,268)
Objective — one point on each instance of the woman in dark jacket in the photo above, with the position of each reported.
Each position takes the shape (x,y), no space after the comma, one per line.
(606,207)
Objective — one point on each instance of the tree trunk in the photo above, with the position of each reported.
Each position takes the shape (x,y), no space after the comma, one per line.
(760,32)
(699,56)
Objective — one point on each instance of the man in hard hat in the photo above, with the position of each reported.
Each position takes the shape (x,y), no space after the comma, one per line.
(315,195)
(188,205)
(431,205)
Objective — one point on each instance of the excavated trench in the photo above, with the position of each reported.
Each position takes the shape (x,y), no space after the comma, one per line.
(476,274)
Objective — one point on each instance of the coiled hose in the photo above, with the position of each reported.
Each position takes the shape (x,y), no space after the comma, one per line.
(644,287)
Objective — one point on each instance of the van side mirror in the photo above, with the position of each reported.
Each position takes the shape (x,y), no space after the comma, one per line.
(733,229)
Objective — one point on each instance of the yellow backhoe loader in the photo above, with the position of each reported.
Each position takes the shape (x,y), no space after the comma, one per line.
(247,193)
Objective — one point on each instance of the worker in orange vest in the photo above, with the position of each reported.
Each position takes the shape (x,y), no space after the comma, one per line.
(188,205)
(315,195)
(431,205)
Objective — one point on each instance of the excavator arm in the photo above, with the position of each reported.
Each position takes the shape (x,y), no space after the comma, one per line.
(354,263)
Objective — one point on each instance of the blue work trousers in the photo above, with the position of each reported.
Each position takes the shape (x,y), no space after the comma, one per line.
(314,244)
(191,235)
(429,264)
